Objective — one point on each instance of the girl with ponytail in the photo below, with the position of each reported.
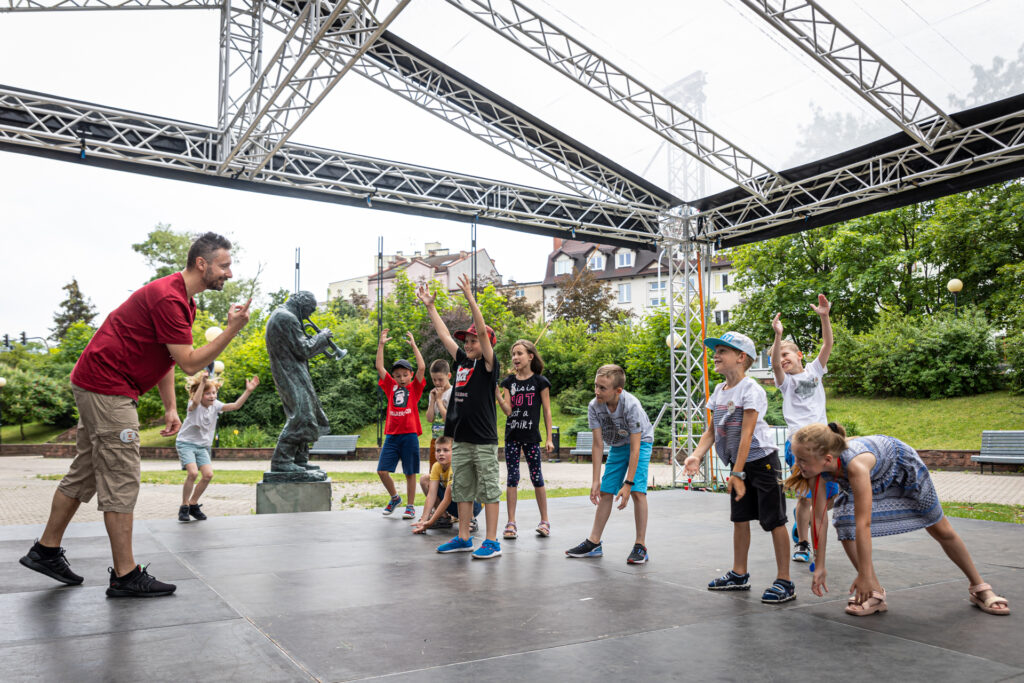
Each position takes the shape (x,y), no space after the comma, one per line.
(885,489)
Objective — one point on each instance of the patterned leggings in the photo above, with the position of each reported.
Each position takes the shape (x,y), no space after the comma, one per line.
(532,453)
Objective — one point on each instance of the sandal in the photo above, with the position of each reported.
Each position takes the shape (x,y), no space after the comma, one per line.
(986,605)
(510,531)
(544,529)
(875,603)
(780,591)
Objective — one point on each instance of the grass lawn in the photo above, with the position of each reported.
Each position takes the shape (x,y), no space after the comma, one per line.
(379,501)
(992,512)
(953,423)
(368,434)
(35,432)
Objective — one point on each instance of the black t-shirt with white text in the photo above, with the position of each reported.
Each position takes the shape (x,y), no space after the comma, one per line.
(472,416)
(523,424)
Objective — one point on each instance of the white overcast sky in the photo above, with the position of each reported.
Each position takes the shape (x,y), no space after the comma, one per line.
(61,220)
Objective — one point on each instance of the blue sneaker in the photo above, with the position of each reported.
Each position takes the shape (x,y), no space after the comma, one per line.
(487,550)
(392,504)
(795,535)
(586,549)
(456,545)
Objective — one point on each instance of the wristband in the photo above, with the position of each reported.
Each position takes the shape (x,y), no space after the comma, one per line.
(628,483)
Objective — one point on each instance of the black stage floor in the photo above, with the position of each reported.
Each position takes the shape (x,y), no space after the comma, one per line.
(350,595)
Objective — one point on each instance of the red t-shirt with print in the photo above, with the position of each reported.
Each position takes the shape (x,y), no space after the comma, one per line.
(128,354)
(403,405)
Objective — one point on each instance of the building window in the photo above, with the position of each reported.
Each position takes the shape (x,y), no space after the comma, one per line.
(725,282)
(563,266)
(655,285)
(596,261)
(657,301)
(521,293)
(625,293)
(624,259)
(721,317)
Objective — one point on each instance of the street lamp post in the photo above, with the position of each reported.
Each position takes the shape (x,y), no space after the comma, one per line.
(954,286)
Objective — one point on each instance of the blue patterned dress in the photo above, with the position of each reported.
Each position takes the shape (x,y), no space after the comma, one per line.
(903,497)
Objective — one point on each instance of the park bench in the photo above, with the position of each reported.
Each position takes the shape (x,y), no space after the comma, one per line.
(333,444)
(584,445)
(1003,446)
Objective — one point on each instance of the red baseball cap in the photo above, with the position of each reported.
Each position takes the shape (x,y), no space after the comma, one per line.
(461,334)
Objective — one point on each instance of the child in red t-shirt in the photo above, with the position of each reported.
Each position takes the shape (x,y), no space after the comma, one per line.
(402,429)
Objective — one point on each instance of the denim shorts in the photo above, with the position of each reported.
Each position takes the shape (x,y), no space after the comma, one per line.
(400,447)
(192,453)
(617,464)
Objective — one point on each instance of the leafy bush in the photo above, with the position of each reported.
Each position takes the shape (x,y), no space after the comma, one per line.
(31,396)
(1012,348)
(932,357)
(246,437)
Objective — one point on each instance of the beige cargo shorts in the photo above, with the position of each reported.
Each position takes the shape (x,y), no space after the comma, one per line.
(107,463)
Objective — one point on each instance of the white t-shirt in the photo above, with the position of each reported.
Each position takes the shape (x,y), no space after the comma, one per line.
(728,406)
(200,424)
(803,397)
(437,427)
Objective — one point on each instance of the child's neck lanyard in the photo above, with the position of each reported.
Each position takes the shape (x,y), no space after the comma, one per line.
(824,511)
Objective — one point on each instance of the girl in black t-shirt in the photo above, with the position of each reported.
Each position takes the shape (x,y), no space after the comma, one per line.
(522,395)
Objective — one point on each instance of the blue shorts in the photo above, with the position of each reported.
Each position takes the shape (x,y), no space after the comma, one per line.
(617,464)
(831,488)
(404,447)
(453,507)
(192,453)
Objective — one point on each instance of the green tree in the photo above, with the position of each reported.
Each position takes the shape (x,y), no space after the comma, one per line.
(581,296)
(31,396)
(75,308)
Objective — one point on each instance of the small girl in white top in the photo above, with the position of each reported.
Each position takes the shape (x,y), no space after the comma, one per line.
(196,437)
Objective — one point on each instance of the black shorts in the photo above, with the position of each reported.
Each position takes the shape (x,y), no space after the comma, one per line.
(764,499)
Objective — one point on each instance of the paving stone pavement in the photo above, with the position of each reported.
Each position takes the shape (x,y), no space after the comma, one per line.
(25,499)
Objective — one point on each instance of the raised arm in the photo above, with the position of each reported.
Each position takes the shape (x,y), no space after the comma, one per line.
(250,387)
(192,360)
(443,334)
(776,352)
(420,366)
(486,350)
(197,391)
(384,339)
(823,310)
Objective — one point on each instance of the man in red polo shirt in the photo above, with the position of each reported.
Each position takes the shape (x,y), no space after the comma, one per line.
(134,350)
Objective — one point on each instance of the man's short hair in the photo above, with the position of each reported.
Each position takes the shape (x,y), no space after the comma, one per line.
(440,366)
(444,441)
(204,246)
(613,372)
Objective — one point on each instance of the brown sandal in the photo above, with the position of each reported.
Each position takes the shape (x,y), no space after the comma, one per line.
(986,605)
(510,531)
(875,603)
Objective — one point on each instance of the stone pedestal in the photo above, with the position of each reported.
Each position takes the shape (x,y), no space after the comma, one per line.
(310,496)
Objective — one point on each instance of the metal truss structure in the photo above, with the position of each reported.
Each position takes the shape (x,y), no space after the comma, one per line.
(264,98)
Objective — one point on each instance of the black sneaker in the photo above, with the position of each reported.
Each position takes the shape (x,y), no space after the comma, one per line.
(196,512)
(137,584)
(183,513)
(443,523)
(639,555)
(54,565)
(586,549)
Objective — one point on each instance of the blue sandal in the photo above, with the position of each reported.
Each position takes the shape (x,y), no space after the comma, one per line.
(731,582)
(780,591)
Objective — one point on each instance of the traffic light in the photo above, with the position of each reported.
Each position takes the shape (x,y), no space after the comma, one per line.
(7,341)
(24,339)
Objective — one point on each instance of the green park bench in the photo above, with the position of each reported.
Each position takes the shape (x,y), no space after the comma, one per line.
(1000,447)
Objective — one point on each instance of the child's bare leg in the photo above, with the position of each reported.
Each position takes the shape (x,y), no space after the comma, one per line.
(604,510)
(191,473)
(741,546)
(780,539)
(490,514)
(956,550)
(542,502)
(410,489)
(640,516)
(511,497)
(204,481)
(425,484)
(389,483)
(465,515)
(803,517)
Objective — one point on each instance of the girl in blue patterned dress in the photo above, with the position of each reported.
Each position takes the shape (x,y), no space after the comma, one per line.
(885,489)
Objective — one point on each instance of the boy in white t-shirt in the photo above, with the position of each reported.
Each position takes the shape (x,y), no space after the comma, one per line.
(196,437)
(744,442)
(803,403)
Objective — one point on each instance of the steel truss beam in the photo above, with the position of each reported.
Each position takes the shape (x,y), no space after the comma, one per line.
(424,81)
(538,36)
(968,150)
(48,125)
(68,5)
(319,49)
(241,50)
(834,47)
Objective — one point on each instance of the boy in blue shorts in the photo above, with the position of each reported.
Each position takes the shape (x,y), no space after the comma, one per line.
(617,418)
(402,427)
(803,403)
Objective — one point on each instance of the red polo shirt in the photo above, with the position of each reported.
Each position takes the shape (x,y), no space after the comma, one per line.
(128,354)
